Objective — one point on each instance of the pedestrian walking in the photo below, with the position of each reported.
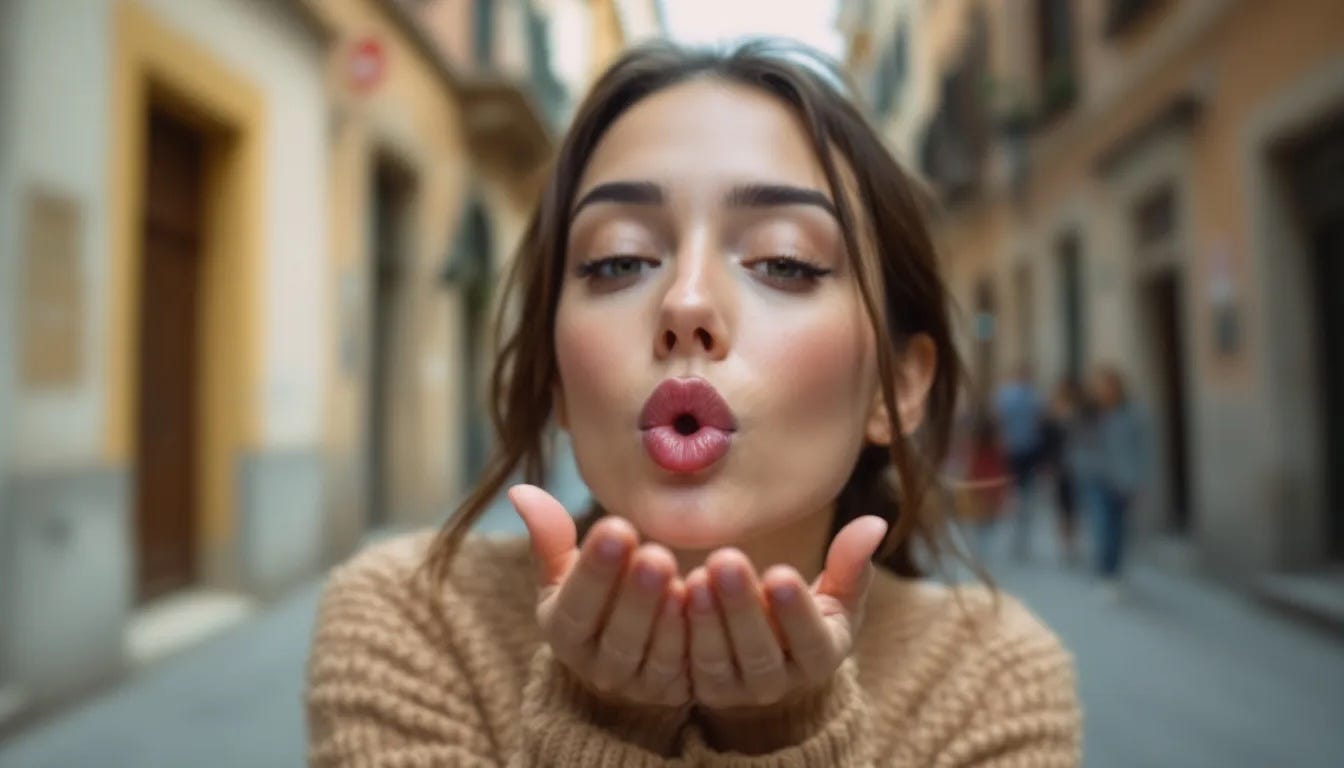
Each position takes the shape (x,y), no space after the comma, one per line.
(1021,415)
(1120,471)
(1062,444)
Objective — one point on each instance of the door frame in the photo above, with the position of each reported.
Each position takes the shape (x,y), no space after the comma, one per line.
(1287,361)
(152,64)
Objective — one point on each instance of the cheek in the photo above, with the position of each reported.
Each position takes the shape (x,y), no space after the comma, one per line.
(822,367)
(594,356)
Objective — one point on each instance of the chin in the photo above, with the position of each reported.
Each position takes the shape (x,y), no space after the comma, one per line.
(684,519)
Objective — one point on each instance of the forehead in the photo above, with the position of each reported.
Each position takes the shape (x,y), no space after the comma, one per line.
(706,131)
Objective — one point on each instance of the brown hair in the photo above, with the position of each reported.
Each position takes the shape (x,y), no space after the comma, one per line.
(896,483)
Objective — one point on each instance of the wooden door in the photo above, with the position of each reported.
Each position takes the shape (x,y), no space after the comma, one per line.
(166,413)
(1329,274)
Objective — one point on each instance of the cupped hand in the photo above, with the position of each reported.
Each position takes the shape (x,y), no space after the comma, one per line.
(758,642)
(612,610)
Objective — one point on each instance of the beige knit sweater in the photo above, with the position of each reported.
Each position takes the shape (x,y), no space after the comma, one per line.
(937,678)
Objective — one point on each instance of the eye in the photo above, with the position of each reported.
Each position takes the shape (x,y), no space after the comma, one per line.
(787,271)
(614,268)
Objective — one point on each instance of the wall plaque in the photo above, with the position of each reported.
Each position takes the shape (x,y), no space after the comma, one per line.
(51,298)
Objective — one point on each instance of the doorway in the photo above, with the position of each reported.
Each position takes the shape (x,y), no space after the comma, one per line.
(1158,253)
(1314,167)
(1328,270)
(1069,258)
(392,196)
(1160,300)
(167,417)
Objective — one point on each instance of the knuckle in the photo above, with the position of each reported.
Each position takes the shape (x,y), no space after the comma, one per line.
(660,670)
(619,647)
(761,664)
(714,670)
(565,624)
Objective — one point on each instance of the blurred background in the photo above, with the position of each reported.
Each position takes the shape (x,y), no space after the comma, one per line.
(248,250)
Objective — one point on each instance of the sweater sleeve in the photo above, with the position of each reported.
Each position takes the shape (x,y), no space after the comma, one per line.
(1026,714)
(566,725)
(832,727)
(391,686)
(379,692)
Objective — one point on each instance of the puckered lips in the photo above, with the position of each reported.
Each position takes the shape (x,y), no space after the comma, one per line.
(687,425)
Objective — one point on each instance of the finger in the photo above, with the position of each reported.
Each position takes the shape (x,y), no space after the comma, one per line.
(550,529)
(663,674)
(626,633)
(713,677)
(808,638)
(849,566)
(575,615)
(759,659)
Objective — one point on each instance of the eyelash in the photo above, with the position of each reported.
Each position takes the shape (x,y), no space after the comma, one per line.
(808,272)
(591,268)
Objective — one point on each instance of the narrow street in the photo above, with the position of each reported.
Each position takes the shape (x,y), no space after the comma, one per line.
(1178,673)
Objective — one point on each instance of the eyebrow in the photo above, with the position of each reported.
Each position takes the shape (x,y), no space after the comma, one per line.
(770,195)
(740,196)
(627,192)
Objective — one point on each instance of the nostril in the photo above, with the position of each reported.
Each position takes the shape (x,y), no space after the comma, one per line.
(704,338)
(686,424)
(669,340)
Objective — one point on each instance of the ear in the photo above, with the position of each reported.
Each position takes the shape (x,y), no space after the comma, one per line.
(916,369)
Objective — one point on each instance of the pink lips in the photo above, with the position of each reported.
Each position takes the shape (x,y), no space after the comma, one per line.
(687,426)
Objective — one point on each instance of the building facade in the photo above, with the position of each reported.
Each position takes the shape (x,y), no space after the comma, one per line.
(235,332)
(1145,183)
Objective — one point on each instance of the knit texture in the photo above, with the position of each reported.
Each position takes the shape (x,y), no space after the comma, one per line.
(938,677)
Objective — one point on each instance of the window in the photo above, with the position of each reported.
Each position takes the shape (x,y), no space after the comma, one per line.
(1122,15)
(1055,57)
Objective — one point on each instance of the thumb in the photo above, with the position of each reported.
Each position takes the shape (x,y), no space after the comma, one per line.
(551,529)
(848,562)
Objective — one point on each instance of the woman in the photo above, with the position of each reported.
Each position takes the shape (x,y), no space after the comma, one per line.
(1121,467)
(1061,436)
(728,297)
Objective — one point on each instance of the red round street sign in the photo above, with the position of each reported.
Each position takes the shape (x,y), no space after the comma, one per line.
(367,64)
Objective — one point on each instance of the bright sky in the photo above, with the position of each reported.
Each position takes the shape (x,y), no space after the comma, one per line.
(701,22)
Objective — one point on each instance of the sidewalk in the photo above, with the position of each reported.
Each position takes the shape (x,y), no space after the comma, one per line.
(1182,672)
(236,700)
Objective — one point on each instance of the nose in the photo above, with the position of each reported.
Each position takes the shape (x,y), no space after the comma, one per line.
(691,319)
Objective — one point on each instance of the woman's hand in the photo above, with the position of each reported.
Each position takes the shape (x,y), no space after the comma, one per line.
(759,642)
(612,611)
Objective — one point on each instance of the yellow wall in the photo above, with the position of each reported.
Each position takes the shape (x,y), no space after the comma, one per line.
(153,64)
(412,116)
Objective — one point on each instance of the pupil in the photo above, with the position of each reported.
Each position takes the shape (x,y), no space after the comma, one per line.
(686,425)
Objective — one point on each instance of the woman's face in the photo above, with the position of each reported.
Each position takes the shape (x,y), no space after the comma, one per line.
(703,245)
(1104,390)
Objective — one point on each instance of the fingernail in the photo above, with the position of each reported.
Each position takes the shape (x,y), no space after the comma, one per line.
(783,593)
(700,599)
(649,578)
(730,580)
(610,548)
